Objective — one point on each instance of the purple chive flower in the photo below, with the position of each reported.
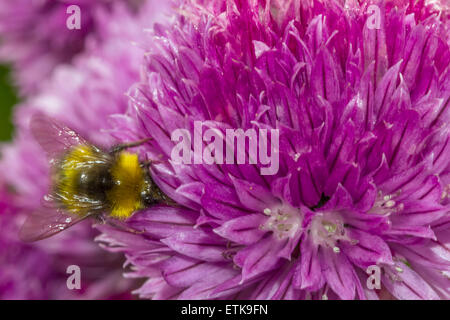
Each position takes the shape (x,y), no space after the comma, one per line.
(35,38)
(364,149)
(83,96)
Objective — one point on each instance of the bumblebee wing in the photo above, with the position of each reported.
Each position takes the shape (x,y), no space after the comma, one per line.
(53,137)
(46,222)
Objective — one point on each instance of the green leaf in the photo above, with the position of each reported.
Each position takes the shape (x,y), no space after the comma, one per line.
(8,98)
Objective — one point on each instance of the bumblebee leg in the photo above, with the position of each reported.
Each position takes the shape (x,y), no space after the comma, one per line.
(100,218)
(122,227)
(123,146)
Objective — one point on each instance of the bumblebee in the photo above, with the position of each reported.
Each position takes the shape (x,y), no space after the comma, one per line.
(87,181)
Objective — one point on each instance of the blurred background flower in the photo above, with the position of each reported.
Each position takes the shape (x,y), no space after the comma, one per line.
(34,36)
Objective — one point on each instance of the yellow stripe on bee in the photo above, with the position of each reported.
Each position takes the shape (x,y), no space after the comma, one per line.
(125,195)
(68,177)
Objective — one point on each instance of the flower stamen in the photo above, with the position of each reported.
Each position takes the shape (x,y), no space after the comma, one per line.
(327,229)
(284,221)
(386,205)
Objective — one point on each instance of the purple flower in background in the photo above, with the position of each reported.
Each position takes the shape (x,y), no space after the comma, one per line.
(39,271)
(362,111)
(82,95)
(35,38)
